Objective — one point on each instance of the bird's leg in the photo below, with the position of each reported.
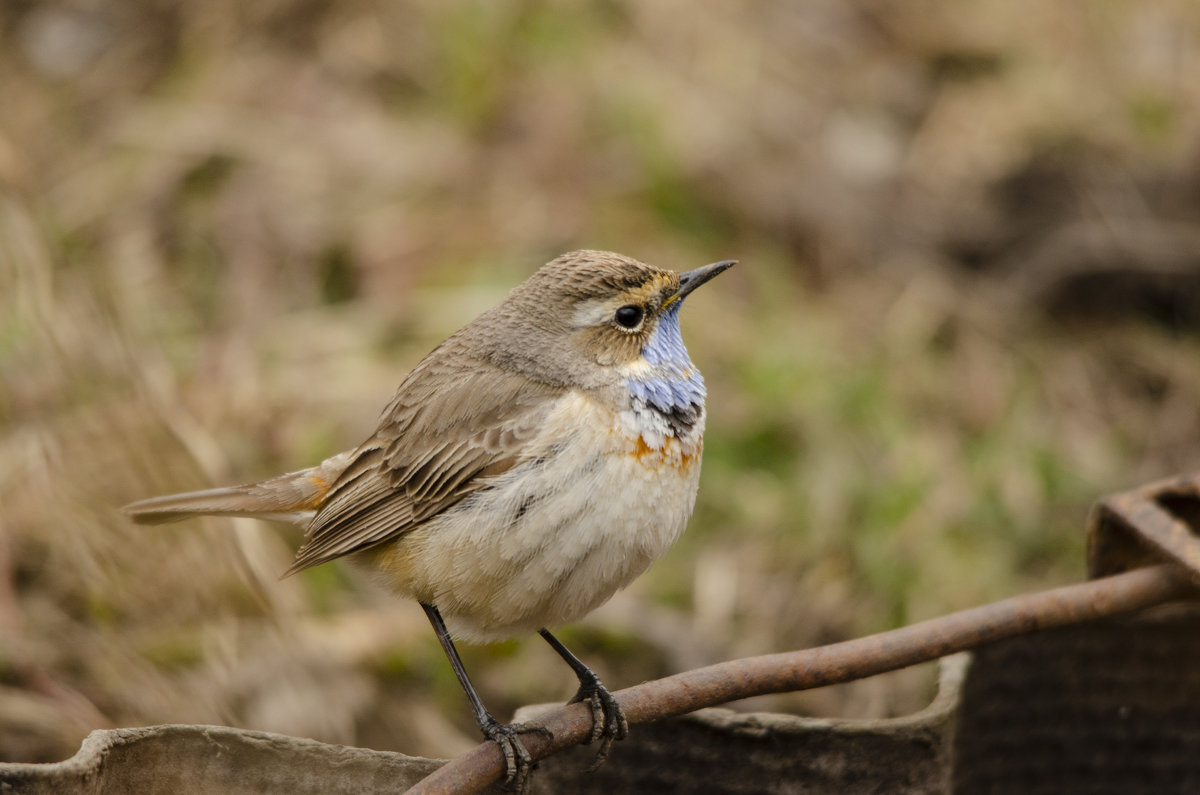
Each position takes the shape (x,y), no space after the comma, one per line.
(608,721)
(517,762)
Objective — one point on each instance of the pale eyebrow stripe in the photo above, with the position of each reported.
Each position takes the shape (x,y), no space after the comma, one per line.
(591,313)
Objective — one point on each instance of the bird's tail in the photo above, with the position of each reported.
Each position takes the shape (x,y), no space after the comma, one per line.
(294,498)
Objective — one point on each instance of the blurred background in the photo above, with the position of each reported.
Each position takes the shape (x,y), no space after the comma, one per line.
(967,308)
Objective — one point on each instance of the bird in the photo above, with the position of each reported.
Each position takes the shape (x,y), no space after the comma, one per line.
(531,465)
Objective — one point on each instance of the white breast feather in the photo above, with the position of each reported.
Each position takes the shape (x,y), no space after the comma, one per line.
(551,541)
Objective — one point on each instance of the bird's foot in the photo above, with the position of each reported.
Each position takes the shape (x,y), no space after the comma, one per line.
(517,761)
(608,720)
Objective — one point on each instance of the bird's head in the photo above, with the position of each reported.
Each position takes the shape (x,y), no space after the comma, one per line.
(589,318)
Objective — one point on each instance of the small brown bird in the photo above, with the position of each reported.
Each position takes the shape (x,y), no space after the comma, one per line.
(533,464)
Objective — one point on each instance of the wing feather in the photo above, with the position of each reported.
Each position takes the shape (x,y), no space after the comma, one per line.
(455,423)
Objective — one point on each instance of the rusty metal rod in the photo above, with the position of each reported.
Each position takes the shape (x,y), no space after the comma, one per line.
(827,665)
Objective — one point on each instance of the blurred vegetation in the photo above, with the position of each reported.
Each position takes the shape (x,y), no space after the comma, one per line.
(968,307)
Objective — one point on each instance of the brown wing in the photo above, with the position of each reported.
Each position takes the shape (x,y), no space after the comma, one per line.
(455,422)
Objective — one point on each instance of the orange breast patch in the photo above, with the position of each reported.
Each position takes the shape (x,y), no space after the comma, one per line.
(670,454)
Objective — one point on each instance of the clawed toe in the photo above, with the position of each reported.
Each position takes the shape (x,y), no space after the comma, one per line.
(517,761)
(608,720)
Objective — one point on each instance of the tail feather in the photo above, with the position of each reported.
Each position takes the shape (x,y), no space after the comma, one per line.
(293,498)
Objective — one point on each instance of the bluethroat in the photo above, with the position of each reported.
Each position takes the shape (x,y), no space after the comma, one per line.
(535,462)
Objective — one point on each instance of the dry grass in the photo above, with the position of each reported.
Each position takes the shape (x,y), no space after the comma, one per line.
(228,230)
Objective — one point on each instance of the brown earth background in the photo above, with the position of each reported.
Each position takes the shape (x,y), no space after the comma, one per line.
(968,306)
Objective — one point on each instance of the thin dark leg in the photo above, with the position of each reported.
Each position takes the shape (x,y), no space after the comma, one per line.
(516,759)
(608,721)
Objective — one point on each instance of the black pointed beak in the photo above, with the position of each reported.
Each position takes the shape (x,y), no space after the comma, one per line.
(690,280)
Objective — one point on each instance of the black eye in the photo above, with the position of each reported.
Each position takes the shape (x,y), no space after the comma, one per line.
(630,316)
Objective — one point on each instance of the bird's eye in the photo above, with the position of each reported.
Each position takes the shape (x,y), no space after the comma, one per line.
(630,316)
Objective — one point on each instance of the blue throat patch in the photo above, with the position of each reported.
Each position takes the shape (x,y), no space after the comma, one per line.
(675,389)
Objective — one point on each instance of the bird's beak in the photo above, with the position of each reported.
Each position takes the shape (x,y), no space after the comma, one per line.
(690,280)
